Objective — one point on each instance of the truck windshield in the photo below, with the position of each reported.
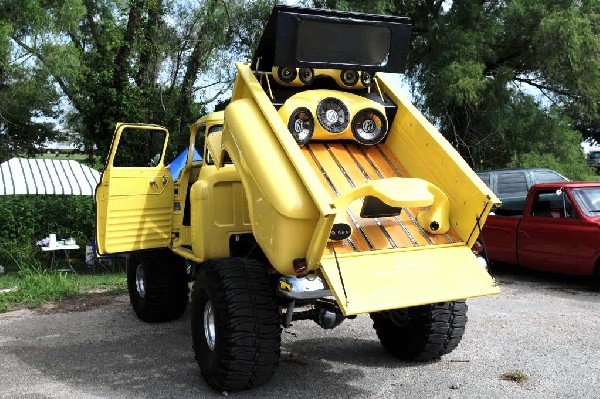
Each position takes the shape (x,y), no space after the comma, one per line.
(589,200)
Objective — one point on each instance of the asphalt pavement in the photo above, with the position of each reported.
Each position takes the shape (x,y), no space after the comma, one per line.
(542,329)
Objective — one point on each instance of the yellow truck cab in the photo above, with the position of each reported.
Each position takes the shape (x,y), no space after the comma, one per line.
(320,184)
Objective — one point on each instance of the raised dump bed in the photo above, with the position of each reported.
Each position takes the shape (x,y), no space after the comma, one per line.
(345,166)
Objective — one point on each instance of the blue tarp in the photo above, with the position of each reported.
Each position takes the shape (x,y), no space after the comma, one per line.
(179,163)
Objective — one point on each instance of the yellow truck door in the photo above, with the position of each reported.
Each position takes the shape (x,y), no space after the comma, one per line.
(134,199)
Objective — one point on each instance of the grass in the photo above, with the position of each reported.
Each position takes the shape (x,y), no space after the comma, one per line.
(29,283)
(32,287)
(515,376)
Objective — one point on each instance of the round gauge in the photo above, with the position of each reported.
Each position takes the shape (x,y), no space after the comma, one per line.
(301,125)
(369,126)
(333,115)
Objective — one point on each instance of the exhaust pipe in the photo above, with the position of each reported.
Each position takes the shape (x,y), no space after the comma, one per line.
(325,312)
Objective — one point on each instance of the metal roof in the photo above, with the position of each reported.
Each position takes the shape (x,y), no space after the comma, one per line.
(47,176)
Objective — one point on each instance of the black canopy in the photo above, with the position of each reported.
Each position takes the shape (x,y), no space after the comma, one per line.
(318,38)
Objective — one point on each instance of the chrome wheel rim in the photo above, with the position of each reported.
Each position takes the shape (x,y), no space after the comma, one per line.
(209,326)
(139,281)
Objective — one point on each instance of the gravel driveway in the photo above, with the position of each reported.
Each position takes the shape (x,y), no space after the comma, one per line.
(542,326)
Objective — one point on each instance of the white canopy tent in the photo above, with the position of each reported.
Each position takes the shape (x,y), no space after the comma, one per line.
(47,176)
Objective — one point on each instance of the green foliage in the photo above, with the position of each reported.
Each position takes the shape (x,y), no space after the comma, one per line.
(515,376)
(371,7)
(34,286)
(115,61)
(544,138)
(109,282)
(26,91)
(513,83)
(35,283)
(32,283)
(25,219)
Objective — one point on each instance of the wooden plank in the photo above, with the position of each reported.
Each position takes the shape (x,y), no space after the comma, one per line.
(316,154)
(389,226)
(391,167)
(344,166)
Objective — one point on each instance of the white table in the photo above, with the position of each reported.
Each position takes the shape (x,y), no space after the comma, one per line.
(61,250)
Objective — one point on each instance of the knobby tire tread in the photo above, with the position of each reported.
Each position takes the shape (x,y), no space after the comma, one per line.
(166,283)
(429,332)
(248,335)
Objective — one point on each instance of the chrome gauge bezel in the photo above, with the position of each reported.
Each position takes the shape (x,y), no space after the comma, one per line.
(365,132)
(333,115)
(301,129)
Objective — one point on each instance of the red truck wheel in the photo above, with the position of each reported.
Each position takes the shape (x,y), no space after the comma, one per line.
(235,323)
(421,333)
(158,285)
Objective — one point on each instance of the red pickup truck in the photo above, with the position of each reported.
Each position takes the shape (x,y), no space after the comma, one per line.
(558,230)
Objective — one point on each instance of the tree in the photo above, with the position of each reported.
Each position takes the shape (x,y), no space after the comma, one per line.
(25,96)
(509,83)
(134,61)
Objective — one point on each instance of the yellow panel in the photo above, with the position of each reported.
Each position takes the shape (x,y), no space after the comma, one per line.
(413,139)
(135,207)
(223,203)
(385,280)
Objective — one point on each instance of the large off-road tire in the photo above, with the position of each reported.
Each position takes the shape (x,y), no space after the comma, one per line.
(235,323)
(158,285)
(421,333)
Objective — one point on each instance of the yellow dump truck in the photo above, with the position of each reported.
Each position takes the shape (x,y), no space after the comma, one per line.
(319,193)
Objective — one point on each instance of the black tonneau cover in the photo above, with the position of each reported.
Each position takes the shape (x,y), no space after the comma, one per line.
(319,38)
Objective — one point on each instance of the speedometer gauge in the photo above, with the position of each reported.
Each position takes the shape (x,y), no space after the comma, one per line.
(333,115)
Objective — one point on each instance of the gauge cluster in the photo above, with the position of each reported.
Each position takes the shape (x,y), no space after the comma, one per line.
(334,115)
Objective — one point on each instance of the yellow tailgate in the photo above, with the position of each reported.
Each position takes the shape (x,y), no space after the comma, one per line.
(382,280)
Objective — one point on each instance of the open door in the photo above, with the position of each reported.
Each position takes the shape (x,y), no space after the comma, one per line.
(134,200)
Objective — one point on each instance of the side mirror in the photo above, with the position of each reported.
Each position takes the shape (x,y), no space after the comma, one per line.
(155,160)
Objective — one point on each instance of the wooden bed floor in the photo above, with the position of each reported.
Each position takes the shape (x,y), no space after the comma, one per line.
(343,166)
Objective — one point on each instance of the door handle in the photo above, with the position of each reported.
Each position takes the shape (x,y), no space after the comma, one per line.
(164,181)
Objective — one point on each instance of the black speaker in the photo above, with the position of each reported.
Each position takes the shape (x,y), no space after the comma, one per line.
(366,78)
(349,77)
(369,126)
(306,75)
(286,74)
